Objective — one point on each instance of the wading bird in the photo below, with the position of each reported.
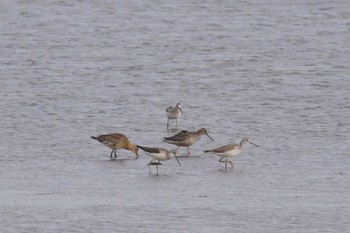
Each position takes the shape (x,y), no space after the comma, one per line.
(158,154)
(173,113)
(229,151)
(186,138)
(117,141)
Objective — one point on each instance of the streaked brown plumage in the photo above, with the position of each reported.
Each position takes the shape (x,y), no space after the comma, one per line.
(117,141)
(186,138)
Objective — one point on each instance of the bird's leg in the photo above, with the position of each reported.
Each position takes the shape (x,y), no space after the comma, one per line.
(177,149)
(115,153)
(176,122)
(220,160)
(149,165)
(167,124)
(188,151)
(111,154)
(230,162)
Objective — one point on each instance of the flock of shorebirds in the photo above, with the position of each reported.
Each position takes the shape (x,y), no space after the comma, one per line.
(184,138)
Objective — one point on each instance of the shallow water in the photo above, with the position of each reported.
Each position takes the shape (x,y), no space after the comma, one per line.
(274,72)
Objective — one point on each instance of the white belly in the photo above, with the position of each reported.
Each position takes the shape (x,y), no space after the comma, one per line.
(230,153)
(173,115)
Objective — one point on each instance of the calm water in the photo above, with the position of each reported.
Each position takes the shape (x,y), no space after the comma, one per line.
(274,71)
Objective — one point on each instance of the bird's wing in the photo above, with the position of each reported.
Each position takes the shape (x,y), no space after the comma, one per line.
(181,136)
(112,139)
(116,136)
(222,148)
(155,150)
(168,109)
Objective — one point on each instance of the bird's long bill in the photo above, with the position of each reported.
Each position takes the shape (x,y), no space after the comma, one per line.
(253,144)
(181,111)
(210,137)
(177,160)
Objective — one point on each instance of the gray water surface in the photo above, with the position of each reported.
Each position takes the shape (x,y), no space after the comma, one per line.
(274,71)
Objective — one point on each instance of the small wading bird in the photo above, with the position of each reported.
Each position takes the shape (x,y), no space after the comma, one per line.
(229,151)
(158,154)
(173,113)
(186,138)
(117,141)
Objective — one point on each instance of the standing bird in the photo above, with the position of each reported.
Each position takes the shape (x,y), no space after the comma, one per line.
(186,138)
(173,113)
(158,154)
(117,141)
(229,151)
